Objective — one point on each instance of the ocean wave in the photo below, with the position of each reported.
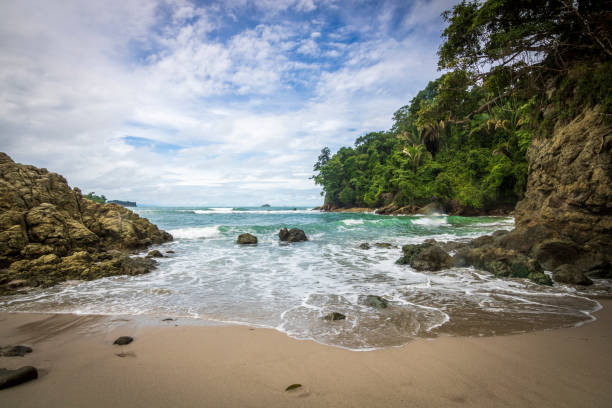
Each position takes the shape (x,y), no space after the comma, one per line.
(434,221)
(195,232)
(352,222)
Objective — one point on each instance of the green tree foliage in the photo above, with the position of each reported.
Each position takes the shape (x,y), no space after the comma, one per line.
(93,197)
(512,67)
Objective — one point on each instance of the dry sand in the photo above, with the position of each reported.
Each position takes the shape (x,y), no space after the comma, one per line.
(237,366)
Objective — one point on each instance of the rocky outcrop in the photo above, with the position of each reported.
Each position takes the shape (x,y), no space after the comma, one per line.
(566,215)
(483,253)
(292,235)
(50,233)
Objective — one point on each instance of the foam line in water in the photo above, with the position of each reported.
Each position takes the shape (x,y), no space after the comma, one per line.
(195,232)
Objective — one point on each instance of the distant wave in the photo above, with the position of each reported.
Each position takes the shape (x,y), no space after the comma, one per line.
(247,211)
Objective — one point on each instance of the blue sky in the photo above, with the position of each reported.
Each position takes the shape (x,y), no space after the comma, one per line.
(180,102)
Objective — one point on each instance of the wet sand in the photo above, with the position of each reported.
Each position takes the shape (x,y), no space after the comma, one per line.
(178,365)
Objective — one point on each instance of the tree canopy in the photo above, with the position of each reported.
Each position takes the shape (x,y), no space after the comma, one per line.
(513,70)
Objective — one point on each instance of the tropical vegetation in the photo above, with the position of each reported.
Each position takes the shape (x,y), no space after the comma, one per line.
(512,71)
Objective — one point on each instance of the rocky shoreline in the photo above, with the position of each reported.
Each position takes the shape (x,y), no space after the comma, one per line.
(433,207)
(50,233)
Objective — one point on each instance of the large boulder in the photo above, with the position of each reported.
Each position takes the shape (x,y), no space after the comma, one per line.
(246,239)
(50,233)
(570,274)
(292,235)
(426,256)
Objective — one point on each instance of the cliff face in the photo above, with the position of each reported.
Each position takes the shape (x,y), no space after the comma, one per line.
(569,186)
(566,215)
(50,232)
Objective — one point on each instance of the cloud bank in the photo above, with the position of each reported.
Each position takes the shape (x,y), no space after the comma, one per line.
(177,102)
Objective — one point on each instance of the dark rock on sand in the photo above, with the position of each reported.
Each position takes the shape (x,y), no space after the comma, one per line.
(375,302)
(365,245)
(570,274)
(292,235)
(14,351)
(293,387)
(155,254)
(9,378)
(333,316)
(50,233)
(246,239)
(123,340)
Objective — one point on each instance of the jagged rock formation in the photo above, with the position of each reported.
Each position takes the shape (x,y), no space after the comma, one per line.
(564,222)
(50,233)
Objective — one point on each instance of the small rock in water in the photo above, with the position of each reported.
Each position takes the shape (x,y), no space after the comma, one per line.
(123,340)
(334,316)
(385,245)
(365,245)
(155,254)
(246,239)
(376,302)
(9,378)
(14,351)
(170,252)
(168,319)
(292,235)
(293,387)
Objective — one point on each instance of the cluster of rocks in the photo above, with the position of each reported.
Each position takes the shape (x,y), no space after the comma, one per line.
(506,254)
(51,233)
(483,253)
(286,235)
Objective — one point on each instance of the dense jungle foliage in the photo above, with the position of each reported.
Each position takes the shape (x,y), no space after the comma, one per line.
(513,69)
(93,197)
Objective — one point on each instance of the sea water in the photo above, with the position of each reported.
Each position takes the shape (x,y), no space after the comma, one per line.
(292,286)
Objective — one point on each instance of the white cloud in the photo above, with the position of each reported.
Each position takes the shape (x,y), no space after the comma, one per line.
(248,112)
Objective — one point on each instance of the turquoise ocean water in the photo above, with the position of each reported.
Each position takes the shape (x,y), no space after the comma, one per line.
(290,287)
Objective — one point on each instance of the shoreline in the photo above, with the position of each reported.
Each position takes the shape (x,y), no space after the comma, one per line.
(173,364)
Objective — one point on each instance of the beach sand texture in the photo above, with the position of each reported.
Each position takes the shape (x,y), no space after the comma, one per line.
(177,365)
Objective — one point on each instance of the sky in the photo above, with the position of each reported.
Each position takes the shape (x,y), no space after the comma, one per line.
(205,103)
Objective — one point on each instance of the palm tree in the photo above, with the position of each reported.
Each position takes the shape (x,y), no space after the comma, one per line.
(414,153)
(430,134)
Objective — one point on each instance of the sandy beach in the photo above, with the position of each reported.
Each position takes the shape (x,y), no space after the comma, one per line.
(178,365)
